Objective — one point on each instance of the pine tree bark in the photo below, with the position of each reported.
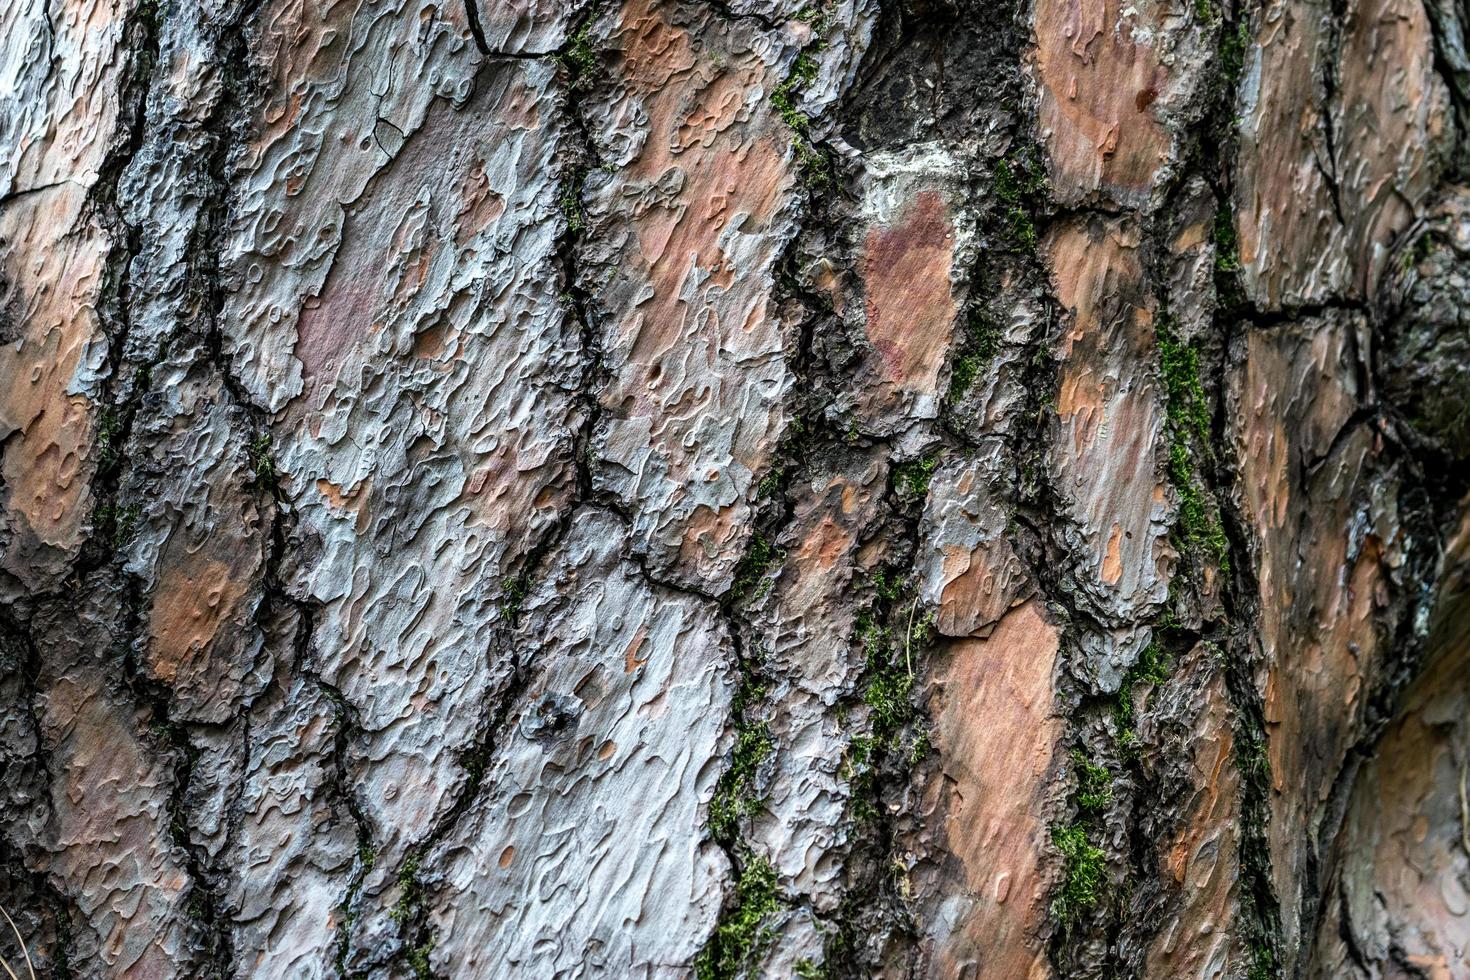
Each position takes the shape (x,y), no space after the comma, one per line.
(735,488)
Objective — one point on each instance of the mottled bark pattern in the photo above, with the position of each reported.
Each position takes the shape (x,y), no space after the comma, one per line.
(756,488)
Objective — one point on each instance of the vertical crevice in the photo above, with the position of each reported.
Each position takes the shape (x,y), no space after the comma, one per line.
(472,14)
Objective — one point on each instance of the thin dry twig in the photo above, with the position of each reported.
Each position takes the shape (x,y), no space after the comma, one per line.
(1464,809)
(30,968)
(908,639)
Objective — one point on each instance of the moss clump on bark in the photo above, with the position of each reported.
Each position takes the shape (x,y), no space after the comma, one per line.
(752,575)
(1152,667)
(1020,184)
(1094,783)
(1083,871)
(579,58)
(741,933)
(1188,423)
(815,168)
(735,797)
(981,341)
(911,479)
(892,714)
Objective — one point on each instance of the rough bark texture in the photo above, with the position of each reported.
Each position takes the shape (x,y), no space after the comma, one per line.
(753,488)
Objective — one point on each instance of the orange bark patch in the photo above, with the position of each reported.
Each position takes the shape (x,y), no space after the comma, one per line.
(980,586)
(1099,82)
(1401,855)
(1394,116)
(352,500)
(1112,566)
(199,593)
(631,660)
(107,832)
(694,112)
(1290,241)
(47,469)
(910,307)
(823,538)
(994,733)
(1109,407)
(690,331)
(979,576)
(708,529)
(416,215)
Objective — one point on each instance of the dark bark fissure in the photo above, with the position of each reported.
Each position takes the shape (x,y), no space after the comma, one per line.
(26,779)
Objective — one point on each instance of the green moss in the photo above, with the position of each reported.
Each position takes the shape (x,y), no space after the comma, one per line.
(579,59)
(1152,667)
(770,483)
(117,523)
(262,466)
(1233,45)
(784,98)
(418,959)
(1224,82)
(967,368)
(408,880)
(1253,758)
(61,957)
(888,585)
(892,714)
(887,695)
(741,933)
(1227,249)
(1020,184)
(409,906)
(1083,872)
(1188,422)
(807,970)
(513,591)
(979,346)
(571,199)
(109,430)
(1021,228)
(1199,527)
(920,747)
(1094,783)
(911,479)
(1018,176)
(1263,963)
(816,16)
(922,630)
(366,858)
(1179,365)
(815,168)
(735,798)
(751,575)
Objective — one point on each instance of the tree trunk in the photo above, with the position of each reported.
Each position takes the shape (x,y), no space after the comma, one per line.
(761,488)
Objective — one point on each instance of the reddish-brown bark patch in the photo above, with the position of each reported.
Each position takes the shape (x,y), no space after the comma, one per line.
(910,306)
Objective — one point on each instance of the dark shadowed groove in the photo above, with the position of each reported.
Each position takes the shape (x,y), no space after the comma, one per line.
(472,14)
